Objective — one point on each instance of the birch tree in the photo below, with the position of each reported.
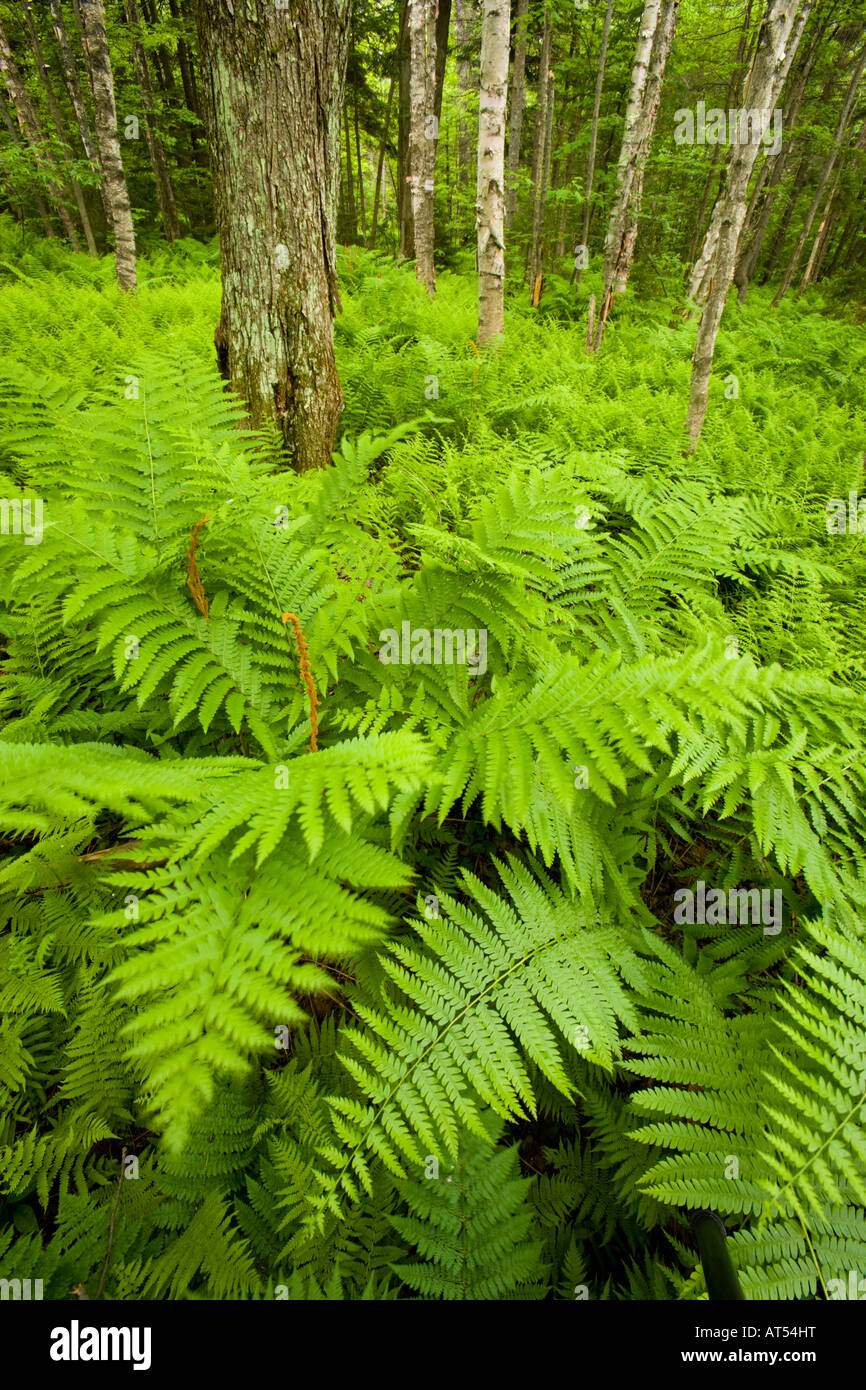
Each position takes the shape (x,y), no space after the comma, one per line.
(593,140)
(655,37)
(105,113)
(490,199)
(780,33)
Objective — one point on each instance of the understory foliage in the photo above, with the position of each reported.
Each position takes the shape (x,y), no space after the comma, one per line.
(408,1015)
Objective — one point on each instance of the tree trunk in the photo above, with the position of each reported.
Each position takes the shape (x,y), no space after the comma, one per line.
(31,130)
(60,127)
(463,16)
(38,203)
(764,197)
(404,198)
(73,86)
(490,200)
(653,46)
(829,164)
(380,164)
(275,195)
(422,133)
(187,71)
(360,166)
(777,42)
(158,162)
(117,194)
(518,104)
(351,207)
(593,140)
(703,273)
(539,186)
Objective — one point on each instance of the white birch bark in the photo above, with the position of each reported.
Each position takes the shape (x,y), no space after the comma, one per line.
(490,197)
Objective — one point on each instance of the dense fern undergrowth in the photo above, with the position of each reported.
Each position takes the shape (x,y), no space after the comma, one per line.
(409,1014)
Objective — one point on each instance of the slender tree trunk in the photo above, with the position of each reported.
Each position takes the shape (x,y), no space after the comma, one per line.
(829,165)
(158,162)
(187,70)
(38,203)
(275,197)
(819,247)
(463,16)
(73,86)
(60,127)
(351,205)
(654,43)
(360,165)
(539,187)
(404,196)
(117,194)
(518,105)
(593,139)
(380,164)
(764,197)
(703,272)
(784,222)
(490,199)
(779,36)
(422,134)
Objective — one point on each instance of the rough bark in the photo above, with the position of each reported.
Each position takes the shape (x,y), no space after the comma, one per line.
(845,114)
(517,107)
(158,161)
(266,75)
(490,199)
(779,35)
(30,128)
(422,133)
(117,194)
(655,37)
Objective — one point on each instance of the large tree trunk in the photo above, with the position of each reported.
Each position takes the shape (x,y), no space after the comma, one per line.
(518,104)
(158,162)
(653,46)
(593,144)
(490,200)
(102,84)
(829,164)
(422,133)
(60,127)
(267,74)
(780,33)
(31,130)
